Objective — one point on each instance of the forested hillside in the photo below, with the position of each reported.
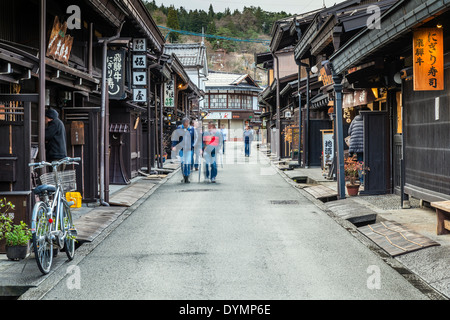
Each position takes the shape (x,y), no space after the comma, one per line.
(251,23)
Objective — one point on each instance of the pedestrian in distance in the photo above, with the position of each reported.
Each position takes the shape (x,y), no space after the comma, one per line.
(248,138)
(224,131)
(55,137)
(182,145)
(212,145)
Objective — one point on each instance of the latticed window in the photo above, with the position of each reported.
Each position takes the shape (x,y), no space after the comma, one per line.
(11,112)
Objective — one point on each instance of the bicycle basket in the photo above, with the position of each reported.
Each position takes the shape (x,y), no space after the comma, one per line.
(67,180)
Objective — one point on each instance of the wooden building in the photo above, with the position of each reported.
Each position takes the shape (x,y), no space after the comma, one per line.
(115,134)
(408,135)
(232,99)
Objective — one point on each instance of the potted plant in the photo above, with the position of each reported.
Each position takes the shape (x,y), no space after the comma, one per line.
(353,169)
(17,237)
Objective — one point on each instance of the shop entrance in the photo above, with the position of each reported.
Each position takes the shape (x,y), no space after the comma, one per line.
(376,152)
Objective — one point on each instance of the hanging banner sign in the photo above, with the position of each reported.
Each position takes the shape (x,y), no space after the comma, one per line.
(428,54)
(169,94)
(60,44)
(115,74)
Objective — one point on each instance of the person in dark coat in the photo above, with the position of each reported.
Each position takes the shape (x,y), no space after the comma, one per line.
(55,137)
(356,133)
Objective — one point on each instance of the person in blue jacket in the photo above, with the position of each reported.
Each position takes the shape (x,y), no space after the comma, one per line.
(183,142)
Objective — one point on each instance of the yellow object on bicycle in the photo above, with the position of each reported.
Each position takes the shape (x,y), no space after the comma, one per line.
(75,197)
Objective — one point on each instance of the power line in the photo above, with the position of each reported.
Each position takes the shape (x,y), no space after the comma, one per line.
(262,41)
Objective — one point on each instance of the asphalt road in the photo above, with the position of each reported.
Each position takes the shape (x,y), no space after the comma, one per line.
(230,240)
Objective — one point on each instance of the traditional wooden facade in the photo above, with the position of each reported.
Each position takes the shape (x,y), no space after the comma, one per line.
(116,136)
(414,144)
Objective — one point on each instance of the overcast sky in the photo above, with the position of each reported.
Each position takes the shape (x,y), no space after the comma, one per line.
(288,6)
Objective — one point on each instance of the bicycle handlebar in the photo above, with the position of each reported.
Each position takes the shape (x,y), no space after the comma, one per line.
(67,160)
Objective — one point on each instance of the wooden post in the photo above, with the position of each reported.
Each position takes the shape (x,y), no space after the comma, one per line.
(42,68)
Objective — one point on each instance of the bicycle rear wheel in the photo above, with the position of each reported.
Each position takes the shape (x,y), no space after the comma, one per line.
(42,243)
(69,240)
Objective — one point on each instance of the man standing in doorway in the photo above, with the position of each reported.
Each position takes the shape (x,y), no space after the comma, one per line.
(55,137)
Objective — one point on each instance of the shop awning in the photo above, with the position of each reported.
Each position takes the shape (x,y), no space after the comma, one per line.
(320,101)
(397,22)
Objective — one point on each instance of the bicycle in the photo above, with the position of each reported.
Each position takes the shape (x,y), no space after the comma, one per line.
(51,223)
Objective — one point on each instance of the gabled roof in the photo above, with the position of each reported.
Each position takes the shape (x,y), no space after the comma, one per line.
(224,80)
(190,54)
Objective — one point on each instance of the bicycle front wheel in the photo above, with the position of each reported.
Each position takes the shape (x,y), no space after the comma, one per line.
(69,240)
(42,243)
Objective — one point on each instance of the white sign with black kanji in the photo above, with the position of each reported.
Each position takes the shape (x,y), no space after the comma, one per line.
(140,95)
(140,45)
(139,78)
(139,61)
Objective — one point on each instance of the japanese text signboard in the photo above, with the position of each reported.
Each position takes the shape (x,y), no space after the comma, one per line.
(327,147)
(60,43)
(140,45)
(428,54)
(139,66)
(115,74)
(169,94)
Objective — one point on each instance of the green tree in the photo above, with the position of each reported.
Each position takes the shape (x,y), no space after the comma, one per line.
(173,23)
(211,13)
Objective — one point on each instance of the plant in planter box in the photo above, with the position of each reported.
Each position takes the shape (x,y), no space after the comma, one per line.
(16,236)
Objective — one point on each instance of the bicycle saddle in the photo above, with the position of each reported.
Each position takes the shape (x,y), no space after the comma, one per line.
(45,187)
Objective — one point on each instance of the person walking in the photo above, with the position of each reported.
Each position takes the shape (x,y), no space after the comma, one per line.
(183,141)
(224,131)
(196,152)
(212,144)
(55,137)
(248,138)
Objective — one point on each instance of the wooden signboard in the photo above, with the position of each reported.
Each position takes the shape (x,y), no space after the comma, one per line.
(428,54)
(77,133)
(60,44)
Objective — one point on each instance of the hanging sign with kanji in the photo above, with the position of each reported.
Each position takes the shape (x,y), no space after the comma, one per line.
(140,95)
(169,94)
(140,45)
(60,43)
(428,54)
(115,74)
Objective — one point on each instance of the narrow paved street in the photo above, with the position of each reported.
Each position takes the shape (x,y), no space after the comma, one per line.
(232,240)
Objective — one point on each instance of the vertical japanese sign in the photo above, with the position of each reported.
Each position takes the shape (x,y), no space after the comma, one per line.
(139,62)
(428,54)
(60,43)
(327,147)
(169,94)
(115,74)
